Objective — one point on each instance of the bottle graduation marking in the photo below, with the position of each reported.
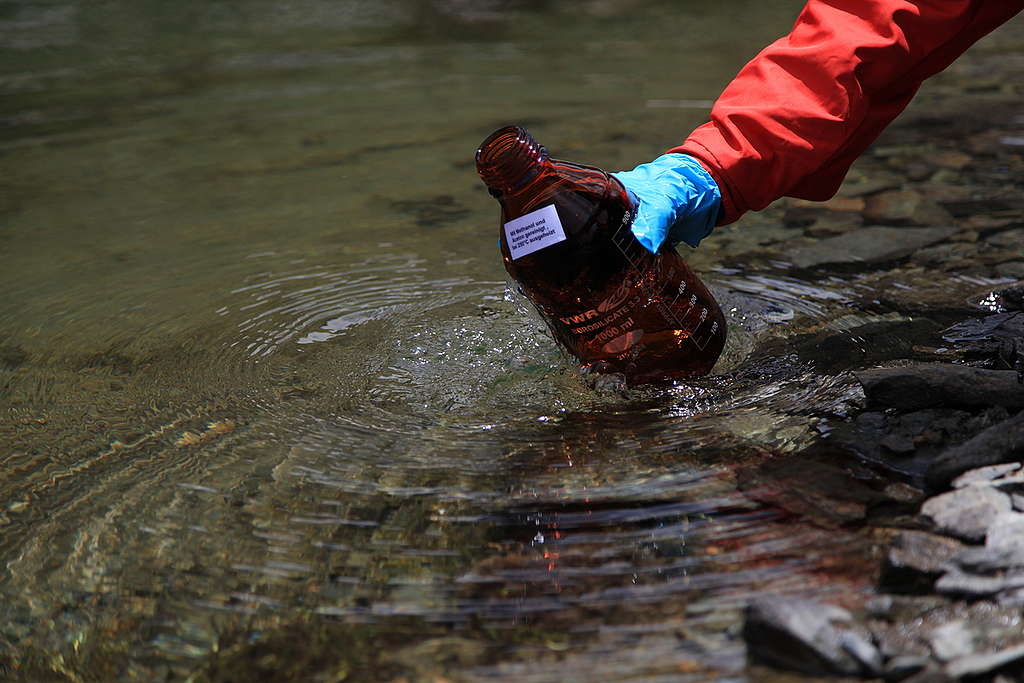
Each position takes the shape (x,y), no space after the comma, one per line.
(625,243)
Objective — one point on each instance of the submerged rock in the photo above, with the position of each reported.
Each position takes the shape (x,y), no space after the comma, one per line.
(947,256)
(876,244)
(905,207)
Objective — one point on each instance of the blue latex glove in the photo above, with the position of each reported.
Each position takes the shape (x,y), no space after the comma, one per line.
(678,201)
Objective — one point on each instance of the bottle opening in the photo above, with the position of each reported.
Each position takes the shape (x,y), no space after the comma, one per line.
(508,159)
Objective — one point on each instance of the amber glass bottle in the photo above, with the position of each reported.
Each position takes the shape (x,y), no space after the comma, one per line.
(565,238)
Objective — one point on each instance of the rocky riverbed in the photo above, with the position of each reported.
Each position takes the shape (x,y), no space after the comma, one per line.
(940,195)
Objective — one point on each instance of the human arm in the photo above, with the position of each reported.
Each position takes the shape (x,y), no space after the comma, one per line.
(796,116)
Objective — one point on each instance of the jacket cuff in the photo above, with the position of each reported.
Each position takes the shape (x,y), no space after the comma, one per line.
(732,206)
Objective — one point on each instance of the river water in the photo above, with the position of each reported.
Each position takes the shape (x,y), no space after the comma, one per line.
(269,408)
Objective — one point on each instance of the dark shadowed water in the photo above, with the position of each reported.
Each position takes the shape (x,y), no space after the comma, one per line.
(267,405)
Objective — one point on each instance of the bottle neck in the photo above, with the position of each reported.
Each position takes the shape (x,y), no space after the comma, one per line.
(509,159)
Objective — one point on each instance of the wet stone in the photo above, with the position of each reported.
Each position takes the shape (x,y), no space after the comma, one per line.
(1000,443)
(965,513)
(901,666)
(1006,532)
(984,663)
(940,384)
(879,606)
(805,636)
(905,207)
(951,640)
(865,188)
(863,651)
(948,254)
(985,475)
(1010,269)
(993,339)
(877,244)
(915,559)
(952,160)
(917,169)
(987,224)
(987,561)
(949,632)
(965,236)
(1011,298)
(909,442)
(1007,239)
(819,220)
(978,586)
(897,443)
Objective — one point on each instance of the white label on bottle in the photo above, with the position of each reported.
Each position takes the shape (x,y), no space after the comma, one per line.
(535,230)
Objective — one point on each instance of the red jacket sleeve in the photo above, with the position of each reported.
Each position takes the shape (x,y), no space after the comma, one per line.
(796,116)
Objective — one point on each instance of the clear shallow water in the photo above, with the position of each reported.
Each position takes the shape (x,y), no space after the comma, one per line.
(267,403)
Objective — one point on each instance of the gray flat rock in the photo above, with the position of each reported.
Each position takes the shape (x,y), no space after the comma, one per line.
(977,664)
(1006,532)
(966,512)
(984,475)
(916,558)
(801,635)
(877,244)
(982,560)
(959,583)
(941,384)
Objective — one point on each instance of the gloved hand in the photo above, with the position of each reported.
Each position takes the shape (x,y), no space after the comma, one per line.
(678,201)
